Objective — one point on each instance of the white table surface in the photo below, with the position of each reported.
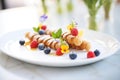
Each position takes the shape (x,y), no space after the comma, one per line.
(27,17)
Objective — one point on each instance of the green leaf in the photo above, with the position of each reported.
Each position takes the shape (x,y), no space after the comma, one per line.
(36,29)
(101,2)
(58,33)
(54,35)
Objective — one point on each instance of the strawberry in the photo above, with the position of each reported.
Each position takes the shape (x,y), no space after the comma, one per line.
(74,31)
(58,52)
(90,54)
(43,27)
(34,44)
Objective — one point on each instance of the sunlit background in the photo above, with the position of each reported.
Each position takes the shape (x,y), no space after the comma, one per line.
(98,15)
(63,12)
(74,9)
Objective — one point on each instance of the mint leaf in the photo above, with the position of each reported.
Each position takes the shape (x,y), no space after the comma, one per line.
(36,29)
(58,33)
(54,35)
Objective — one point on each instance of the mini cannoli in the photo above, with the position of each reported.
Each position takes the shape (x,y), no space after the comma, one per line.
(48,41)
(45,39)
(74,42)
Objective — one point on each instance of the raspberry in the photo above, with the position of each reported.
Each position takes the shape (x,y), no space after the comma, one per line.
(58,52)
(43,27)
(34,44)
(90,54)
(74,31)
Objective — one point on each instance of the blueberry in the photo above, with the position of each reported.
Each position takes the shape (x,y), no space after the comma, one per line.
(41,46)
(21,42)
(47,50)
(41,32)
(97,52)
(73,56)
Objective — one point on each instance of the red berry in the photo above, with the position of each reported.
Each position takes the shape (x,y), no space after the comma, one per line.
(34,44)
(74,31)
(58,52)
(43,27)
(90,54)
